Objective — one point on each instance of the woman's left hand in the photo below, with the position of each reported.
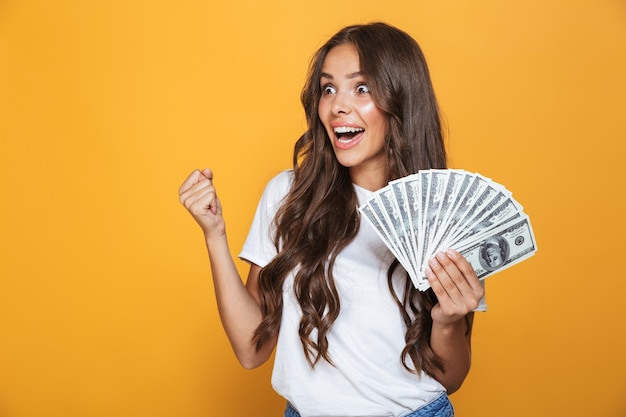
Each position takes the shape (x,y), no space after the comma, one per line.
(456,286)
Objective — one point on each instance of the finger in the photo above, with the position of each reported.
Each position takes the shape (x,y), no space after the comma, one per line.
(201,186)
(458,269)
(440,281)
(435,284)
(199,200)
(203,205)
(451,278)
(452,302)
(208,173)
(464,288)
(466,269)
(193,178)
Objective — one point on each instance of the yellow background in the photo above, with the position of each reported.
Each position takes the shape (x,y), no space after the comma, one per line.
(106,301)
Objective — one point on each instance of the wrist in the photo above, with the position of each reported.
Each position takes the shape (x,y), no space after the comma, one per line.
(449,326)
(213,239)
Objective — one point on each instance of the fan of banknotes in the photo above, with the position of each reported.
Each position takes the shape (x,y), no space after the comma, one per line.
(433,210)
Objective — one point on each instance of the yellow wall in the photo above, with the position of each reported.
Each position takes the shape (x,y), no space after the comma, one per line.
(106,301)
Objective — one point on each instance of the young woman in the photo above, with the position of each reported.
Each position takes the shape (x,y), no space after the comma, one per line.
(353,337)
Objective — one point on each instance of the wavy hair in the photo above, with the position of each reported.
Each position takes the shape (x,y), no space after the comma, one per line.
(319,215)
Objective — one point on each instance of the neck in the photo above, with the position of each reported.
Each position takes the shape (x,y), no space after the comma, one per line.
(371,180)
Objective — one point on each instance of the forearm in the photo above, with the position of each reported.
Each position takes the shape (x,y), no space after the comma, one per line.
(238,304)
(451,344)
(458,292)
(239,310)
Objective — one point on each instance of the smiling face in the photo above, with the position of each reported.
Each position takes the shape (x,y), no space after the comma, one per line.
(354,123)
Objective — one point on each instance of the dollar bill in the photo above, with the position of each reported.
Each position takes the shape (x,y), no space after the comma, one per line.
(437,209)
(503,247)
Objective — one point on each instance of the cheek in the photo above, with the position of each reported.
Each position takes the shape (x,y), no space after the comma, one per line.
(375,117)
(323,108)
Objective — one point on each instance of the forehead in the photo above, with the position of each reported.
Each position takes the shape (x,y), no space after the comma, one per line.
(341,60)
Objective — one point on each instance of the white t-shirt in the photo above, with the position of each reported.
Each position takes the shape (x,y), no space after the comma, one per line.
(365,341)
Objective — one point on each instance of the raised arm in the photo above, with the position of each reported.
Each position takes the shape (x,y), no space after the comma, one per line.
(458,291)
(238,304)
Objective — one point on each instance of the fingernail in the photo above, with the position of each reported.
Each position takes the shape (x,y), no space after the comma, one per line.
(429,272)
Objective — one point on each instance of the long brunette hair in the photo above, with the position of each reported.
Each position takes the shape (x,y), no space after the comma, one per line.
(319,215)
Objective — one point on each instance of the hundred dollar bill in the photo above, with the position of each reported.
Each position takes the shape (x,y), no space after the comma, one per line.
(464,204)
(379,227)
(436,209)
(392,217)
(402,202)
(373,213)
(500,210)
(473,205)
(456,183)
(436,192)
(412,188)
(504,247)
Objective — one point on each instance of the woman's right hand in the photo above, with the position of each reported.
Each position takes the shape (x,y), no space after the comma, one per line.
(198,196)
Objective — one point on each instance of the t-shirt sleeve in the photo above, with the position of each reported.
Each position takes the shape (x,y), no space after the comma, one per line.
(259,247)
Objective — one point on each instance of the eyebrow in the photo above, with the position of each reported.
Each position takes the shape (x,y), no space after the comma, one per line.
(349,76)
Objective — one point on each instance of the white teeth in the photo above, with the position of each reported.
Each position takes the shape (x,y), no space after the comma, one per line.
(347,129)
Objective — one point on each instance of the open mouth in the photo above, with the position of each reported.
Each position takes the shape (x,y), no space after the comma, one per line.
(346,133)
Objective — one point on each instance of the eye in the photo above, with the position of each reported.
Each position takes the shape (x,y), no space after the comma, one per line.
(328,89)
(362,89)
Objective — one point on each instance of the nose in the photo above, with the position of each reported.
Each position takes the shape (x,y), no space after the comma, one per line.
(341,104)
